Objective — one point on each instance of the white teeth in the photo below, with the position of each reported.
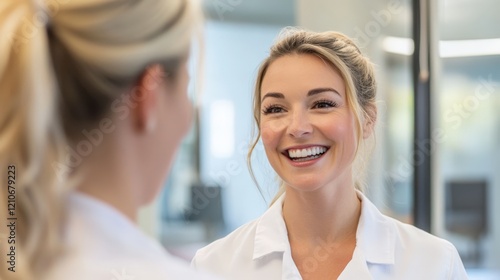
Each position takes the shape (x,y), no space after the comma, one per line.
(302,153)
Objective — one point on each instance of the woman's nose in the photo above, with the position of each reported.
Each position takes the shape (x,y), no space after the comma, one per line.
(300,125)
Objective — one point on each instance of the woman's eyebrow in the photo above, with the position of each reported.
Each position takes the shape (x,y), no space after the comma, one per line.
(273,94)
(309,93)
(320,90)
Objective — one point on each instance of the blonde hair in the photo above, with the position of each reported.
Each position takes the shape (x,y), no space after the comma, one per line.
(63,62)
(342,54)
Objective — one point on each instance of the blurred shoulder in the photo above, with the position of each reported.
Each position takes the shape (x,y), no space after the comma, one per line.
(421,249)
(125,267)
(240,241)
(410,236)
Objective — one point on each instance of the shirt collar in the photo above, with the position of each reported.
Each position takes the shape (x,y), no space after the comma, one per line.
(375,236)
(271,234)
(100,217)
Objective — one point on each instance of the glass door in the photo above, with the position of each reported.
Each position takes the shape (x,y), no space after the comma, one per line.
(467,169)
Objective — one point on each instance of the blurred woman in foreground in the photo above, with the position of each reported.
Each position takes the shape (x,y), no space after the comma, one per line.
(94,106)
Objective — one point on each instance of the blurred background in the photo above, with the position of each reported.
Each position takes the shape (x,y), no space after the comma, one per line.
(210,191)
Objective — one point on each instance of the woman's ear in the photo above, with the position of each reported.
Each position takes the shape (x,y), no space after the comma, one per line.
(370,120)
(145,95)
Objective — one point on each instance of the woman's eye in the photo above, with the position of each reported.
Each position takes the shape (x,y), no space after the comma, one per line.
(273,109)
(324,104)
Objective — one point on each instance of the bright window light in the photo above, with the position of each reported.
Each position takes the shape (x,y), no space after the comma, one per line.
(398,45)
(222,129)
(447,49)
(464,48)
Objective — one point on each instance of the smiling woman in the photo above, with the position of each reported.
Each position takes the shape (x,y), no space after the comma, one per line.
(322,72)
(314,106)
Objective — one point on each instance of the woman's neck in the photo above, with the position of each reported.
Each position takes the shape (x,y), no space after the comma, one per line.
(107,175)
(323,215)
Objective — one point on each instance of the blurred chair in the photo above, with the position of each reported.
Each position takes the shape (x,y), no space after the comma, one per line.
(466,212)
(206,207)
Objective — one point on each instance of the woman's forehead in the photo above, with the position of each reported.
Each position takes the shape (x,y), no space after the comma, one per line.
(302,73)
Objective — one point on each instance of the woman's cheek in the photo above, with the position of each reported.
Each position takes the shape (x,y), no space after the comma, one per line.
(338,129)
(270,132)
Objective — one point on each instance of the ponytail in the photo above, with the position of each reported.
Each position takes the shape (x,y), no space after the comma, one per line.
(56,80)
(30,141)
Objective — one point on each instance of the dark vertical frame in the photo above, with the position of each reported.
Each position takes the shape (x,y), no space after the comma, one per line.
(421,73)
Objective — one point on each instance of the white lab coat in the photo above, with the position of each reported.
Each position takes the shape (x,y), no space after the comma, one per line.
(103,244)
(385,249)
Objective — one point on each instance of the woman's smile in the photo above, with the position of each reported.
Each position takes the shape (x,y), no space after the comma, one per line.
(303,156)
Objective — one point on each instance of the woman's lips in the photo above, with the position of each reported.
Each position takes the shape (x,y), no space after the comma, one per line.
(306,156)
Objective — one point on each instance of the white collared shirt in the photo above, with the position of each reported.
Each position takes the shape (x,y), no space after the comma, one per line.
(103,244)
(385,249)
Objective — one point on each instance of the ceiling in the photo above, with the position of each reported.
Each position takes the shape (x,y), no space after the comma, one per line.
(275,12)
(458,19)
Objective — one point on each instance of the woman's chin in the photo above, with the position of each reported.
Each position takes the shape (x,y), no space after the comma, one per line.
(304,185)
